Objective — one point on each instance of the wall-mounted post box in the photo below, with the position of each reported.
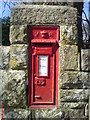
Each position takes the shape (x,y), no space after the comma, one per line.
(43,66)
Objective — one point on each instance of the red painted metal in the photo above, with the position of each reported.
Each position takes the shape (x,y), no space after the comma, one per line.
(43,66)
(43,34)
(43,50)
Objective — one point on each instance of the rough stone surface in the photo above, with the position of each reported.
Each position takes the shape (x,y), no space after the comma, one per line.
(36,14)
(68,77)
(74,80)
(74,95)
(59,113)
(75,113)
(4,57)
(68,57)
(69,80)
(68,35)
(48,113)
(85,59)
(73,105)
(3,80)
(18,56)
(87,110)
(14,93)
(17,113)
(18,34)
(84,78)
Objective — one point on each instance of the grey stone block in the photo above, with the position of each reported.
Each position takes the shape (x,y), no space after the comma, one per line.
(84,78)
(73,105)
(3,80)
(73,80)
(18,56)
(74,95)
(4,57)
(60,113)
(36,14)
(48,113)
(69,57)
(75,114)
(18,34)
(14,93)
(68,77)
(68,35)
(17,114)
(70,80)
(85,59)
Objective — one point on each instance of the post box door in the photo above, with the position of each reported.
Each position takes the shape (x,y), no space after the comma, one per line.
(43,74)
(43,77)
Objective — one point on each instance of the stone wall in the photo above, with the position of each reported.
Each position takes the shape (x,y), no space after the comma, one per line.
(74,89)
(74,67)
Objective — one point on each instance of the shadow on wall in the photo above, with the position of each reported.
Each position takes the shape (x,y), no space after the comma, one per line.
(5,31)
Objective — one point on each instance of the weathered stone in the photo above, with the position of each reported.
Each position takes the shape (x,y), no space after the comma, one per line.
(85,59)
(75,113)
(69,80)
(11,115)
(18,34)
(84,78)
(74,80)
(75,110)
(3,80)
(68,77)
(68,57)
(19,56)
(74,95)
(36,14)
(14,93)
(59,113)
(48,113)
(73,105)
(17,113)
(68,35)
(79,62)
(58,93)
(4,57)
(87,109)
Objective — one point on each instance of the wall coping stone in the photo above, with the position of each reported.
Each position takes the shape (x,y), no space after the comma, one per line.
(43,14)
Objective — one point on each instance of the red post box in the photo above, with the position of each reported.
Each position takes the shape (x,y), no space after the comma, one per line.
(43,66)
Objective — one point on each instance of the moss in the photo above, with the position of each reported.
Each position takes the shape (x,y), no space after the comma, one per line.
(18,34)
(69,57)
(13,63)
(68,35)
(26,71)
